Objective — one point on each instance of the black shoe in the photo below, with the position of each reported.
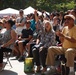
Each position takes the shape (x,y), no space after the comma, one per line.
(17,57)
(22,58)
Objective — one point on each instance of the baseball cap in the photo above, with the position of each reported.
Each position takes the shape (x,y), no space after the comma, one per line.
(69,16)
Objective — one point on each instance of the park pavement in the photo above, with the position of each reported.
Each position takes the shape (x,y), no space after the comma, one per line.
(16,69)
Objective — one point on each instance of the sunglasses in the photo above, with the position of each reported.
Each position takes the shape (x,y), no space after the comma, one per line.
(68,19)
(21,12)
(27,22)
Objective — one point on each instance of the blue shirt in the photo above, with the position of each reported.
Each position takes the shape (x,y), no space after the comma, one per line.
(33,24)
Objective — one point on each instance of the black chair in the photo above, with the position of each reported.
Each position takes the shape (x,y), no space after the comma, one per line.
(64,69)
(7,56)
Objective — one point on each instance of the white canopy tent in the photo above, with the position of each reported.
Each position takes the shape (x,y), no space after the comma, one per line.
(30,10)
(8,11)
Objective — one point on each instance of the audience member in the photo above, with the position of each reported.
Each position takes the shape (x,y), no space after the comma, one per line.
(8,41)
(32,20)
(73,12)
(56,27)
(36,34)
(20,22)
(23,39)
(39,50)
(68,38)
(2,29)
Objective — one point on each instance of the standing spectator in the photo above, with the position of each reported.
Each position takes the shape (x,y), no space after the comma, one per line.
(36,34)
(32,20)
(2,30)
(52,14)
(73,12)
(20,22)
(56,27)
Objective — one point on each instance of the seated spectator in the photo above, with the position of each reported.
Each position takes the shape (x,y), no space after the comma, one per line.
(22,40)
(68,38)
(8,40)
(39,50)
(32,42)
(36,34)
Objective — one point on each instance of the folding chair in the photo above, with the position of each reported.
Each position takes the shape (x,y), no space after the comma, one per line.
(7,56)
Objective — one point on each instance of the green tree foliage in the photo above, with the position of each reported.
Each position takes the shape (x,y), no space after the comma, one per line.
(48,5)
